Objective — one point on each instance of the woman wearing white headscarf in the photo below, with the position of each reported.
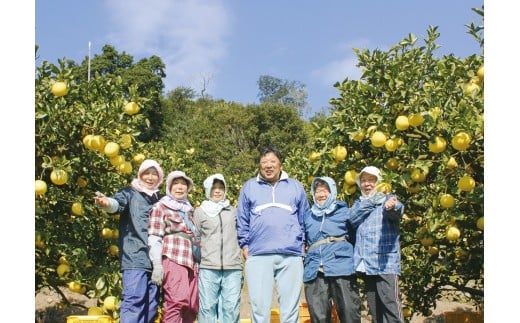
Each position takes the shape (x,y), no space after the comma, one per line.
(220,275)
(140,297)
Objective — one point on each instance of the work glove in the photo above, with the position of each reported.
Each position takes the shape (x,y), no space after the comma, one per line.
(157,273)
(378,198)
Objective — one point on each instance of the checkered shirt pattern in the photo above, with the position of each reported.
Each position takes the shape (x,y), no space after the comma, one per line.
(165,223)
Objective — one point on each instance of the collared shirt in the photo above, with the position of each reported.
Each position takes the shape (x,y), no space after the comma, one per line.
(167,224)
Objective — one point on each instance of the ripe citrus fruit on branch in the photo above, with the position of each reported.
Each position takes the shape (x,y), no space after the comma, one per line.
(378,139)
(438,145)
(453,233)
(59,89)
(466,183)
(59,176)
(461,141)
(40,187)
(447,201)
(480,223)
(77,208)
(350,177)
(110,303)
(111,149)
(63,270)
(339,153)
(402,123)
(314,156)
(131,108)
(415,120)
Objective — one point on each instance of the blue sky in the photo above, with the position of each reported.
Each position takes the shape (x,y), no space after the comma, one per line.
(230,44)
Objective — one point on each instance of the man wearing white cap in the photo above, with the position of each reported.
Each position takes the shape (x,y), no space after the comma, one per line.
(377,252)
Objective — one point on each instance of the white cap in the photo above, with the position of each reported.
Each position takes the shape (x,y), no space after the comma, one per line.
(372,170)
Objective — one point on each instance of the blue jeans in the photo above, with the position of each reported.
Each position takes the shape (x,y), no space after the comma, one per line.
(140,297)
(287,272)
(219,295)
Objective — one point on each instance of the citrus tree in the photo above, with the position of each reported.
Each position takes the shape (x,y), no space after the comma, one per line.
(84,142)
(419,118)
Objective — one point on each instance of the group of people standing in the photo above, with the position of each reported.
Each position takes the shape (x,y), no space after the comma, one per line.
(274,235)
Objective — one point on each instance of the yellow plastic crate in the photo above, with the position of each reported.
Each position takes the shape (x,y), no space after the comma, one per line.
(463,317)
(89,319)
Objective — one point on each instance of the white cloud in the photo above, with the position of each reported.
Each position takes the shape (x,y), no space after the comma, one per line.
(189,36)
(337,70)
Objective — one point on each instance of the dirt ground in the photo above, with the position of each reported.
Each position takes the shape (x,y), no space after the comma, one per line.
(48,311)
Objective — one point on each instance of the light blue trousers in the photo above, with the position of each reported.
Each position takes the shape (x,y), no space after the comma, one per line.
(287,272)
(219,295)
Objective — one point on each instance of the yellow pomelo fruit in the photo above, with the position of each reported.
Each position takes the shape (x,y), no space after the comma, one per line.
(461,141)
(77,208)
(63,270)
(110,303)
(74,286)
(466,183)
(59,89)
(59,176)
(438,145)
(418,175)
(98,143)
(452,163)
(349,189)
(117,160)
(125,167)
(415,120)
(384,187)
(138,159)
(392,163)
(126,141)
(115,234)
(350,177)
(447,201)
(131,108)
(106,233)
(480,223)
(87,142)
(359,136)
(453,233)
(392,144)
(113,250)
(480,73)
(40,187)
(63,260)
(402,123)
(378,139)
(111,149)
(339,153)
(314,156)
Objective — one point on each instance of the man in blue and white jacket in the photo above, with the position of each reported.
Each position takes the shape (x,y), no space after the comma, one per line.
(270,214)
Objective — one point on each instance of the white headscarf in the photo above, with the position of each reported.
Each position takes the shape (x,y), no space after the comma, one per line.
(138,185)
(210,207)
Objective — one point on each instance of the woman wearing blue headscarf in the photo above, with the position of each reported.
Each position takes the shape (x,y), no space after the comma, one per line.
(329,275)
